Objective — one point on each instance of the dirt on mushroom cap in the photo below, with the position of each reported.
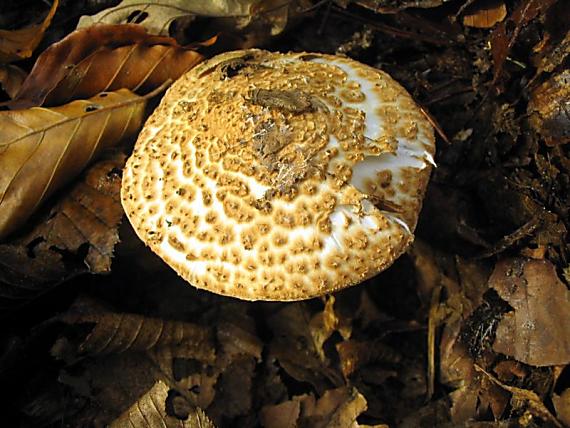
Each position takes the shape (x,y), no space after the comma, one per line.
(279,176)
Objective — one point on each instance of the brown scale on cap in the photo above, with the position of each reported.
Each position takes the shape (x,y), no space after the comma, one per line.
(279,176)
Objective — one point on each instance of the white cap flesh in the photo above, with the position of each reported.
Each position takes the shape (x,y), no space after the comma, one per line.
(279,176)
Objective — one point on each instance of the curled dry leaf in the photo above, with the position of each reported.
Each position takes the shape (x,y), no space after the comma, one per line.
(475,394)
(337,408)
(150,411)
(486,14)
(103,58)
(11,79)
(324,324)
(295,348)
(491,397)
(119,332)
(472,395)
(43,149)
(89,213)
(525,398)
(85,218)
(464,399)
(156,15)
(457,371)
(548,109)
(536,332)
(19,44)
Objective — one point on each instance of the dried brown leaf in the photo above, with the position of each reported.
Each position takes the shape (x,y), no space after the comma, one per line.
(486,14)
(509,370)
(324,324)
(89,214)
(150,411)
(549,59)
(548,109)
(456,365)
(234,390)
(203,352)
(465,281)
(181,366)
(103,58)
(427,271)
(156,15)
(536,332)
(84,220)
(562,405)
(236,340)
(491,397)
(524,397)
(368,311)
(111,383)
(554,47)
(120,332)
(456,370)
(222,382)
(46,406)
(42,149)
(473,276)
(239,351)
(464,402)
(341,407)
(23,277)
(270,387)
(474,394)
(11,79)
(436,414)
(294,347)
(355,354)
(388,6)
(236,333)
(507,32)
(282,415)
(435,273)
(337,408)
(276,14)
(19,44)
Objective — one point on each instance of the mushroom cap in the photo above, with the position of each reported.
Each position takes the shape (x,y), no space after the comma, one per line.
(279,176)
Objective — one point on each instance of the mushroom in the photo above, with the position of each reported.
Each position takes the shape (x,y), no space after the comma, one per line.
(279,176)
